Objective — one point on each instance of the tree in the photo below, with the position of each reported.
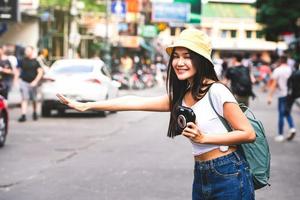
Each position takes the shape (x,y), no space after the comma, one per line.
(61,19)
(90,5)
(278,17)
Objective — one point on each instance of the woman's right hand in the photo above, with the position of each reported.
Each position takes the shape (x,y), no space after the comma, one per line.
(81,107)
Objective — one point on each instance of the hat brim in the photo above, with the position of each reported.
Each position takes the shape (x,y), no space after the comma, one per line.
(191,46)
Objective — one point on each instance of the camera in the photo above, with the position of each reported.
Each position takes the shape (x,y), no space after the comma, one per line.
(183,116)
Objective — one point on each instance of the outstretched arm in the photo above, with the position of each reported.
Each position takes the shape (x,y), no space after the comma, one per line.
(126,103)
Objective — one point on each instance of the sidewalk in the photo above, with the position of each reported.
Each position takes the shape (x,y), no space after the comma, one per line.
(14,97)
(285,161)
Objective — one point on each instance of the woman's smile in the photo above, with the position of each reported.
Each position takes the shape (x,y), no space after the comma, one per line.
(181,71)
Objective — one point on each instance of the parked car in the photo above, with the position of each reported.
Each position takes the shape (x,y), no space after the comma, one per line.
(84,80)
(3,121)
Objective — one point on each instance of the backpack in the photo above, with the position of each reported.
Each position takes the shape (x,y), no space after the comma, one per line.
(257,154)
(241,83)
(293,84)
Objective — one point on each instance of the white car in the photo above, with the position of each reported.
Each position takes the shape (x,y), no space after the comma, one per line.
(83,80)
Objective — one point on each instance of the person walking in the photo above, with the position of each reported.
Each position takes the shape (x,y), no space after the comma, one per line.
(9,50)
(264,75)
(278,85)
(293,94)
(239,78)
(31,73)
(6,74)
(221,172)
(41,58)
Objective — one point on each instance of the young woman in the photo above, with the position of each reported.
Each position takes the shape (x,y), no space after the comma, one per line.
(220,171)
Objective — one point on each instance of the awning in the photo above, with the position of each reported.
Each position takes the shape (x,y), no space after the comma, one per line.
(228,10)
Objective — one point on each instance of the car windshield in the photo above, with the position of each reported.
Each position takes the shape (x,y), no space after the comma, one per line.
(72,69)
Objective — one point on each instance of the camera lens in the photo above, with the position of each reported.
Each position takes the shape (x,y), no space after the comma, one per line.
(181,120)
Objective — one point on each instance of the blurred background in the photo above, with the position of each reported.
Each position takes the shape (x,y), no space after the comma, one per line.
(111,28)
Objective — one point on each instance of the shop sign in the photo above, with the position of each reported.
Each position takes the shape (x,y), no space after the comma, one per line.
(129,41)
(149,31)
(118,8)
(171,12)
(133,6)
(9,10)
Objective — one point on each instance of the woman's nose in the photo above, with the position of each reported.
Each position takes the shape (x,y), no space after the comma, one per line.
(181,61)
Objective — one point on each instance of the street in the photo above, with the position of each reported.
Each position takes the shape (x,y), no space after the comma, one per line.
(125,156)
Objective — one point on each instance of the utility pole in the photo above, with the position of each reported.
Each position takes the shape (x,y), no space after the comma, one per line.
(74,36)
(107,51)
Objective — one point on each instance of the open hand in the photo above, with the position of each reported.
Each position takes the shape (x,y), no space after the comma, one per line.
(193,133)
(81,107)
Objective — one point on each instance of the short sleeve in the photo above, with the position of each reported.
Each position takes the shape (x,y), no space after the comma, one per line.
(275,74)
(220,94)
(38,65)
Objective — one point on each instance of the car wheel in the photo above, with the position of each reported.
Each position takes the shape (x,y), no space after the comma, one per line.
(3,129)
(46,112)
(61,111)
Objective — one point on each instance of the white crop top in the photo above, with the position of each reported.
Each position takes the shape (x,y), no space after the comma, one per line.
(206,118)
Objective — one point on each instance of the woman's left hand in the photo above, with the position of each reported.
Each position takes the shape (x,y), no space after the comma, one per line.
(193,133)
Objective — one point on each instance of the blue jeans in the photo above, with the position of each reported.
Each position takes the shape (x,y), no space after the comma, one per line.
(224,178)
(283,114)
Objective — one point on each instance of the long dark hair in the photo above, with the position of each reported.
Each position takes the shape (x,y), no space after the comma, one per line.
(177,88)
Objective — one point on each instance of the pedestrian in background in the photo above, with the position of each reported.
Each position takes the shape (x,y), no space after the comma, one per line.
(221,172)
(239,78)
(6,74)
(9,50)
(126,65)
(293,94)
(278,86)
(264,75)
(291,61)
(42,59)
(31,73)
(161,70)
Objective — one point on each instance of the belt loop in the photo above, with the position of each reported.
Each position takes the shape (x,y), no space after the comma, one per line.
(237,155)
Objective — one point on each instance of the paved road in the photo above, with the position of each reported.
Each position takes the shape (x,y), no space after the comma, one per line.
(124,156)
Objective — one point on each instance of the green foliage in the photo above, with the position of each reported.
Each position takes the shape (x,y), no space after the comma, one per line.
(89,5)
(278,16)
(53,3)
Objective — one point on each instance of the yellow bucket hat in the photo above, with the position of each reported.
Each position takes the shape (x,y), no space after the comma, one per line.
(194,40)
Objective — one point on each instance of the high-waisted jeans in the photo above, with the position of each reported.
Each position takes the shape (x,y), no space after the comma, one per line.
(224,178)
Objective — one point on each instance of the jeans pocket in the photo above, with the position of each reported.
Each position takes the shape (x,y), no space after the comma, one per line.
(227,170)
(247,186)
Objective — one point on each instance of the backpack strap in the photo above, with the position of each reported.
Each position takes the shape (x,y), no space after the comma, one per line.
(222,119)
